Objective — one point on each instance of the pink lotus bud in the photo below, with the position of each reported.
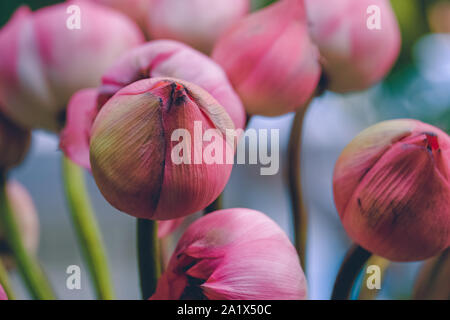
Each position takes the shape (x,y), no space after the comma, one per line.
(270,59)
(2,294)
(162,58)
(233,254)
(198,23)
(359,41)
(392,190)
(48,55)
(14,144)
(137,166)
(137,10)
(27,219)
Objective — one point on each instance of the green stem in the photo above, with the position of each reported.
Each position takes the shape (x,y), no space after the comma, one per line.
(148,256)
(88,232)
(6,284)
(27,264)
(299,212)
(353,263)
(216,205)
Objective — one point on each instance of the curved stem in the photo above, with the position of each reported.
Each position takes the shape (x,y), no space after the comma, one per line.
(148,256)
(216,205)
(27,264)
(6,284)
(354,261)
(88,232)
(371,294)
(299,213)
(434,278)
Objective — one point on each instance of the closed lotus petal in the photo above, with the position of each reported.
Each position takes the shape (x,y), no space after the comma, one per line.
(198,23)
(2,294)
(131,149)
(392,190)
(39,70)
(233,254)
(354,56)
(270,59)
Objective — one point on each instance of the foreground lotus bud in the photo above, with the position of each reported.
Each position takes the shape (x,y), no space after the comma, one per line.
(27,219)
(2,294)
(392,190)
(233,254)
(162,58)
(270,59)
(45,58)
(136,157)
(198,23)
(137,10)
(14,144)
(359,41)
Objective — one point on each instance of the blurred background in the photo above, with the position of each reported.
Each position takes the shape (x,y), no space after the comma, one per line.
(418,87)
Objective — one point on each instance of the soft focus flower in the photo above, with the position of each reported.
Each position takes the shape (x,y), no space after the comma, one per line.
(392,190)
(137,10)
(27,219)
(198,23)
(162,58)
(233,254)
(354,53)
(43,62)
(131,149)
(270,59)
(2,294)
(14,143)
(439,17)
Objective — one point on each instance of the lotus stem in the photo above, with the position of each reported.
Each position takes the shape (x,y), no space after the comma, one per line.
(216,205)
(434,277)
(88,232)
(353,263)
(371,294)
(148,256)
(5,282)
(28,266)
(299,211)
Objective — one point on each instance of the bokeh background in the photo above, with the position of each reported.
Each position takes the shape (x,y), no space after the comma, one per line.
(418,87)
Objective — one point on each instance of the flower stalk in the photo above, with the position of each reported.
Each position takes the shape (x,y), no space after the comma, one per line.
(5,282)
(353,263)
(87,229)
(28,265)
(148,256)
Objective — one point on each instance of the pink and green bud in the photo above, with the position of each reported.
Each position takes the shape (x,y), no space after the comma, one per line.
(233,254)
(3,295)
(359,41)
(14,144)
(27,219)
(132,147)
(49,54)
(198,23)
(270,59)
(392,190)
(162,58)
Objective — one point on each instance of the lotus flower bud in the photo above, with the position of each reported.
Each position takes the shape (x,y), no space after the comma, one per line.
(131,149)
(270,59)
(359,41)
(14,144)
(137,10)
(27,219)
(198,23)
(392,190)
(2,294)
(233,254)
(162,58)
(45,58)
